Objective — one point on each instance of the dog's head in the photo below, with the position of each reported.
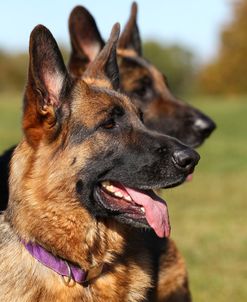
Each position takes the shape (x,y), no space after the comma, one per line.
(139,79)
(86,148)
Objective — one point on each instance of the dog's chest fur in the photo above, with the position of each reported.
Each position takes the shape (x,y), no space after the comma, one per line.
(24,279)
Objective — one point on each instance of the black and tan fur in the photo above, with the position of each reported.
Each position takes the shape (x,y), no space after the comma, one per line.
(78,133)
(139,79)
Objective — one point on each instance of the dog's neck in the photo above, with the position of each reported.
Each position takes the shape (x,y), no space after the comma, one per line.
(68,271)
(87,246)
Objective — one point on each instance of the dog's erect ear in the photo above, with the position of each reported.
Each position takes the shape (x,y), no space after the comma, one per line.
(46,86)
(104,69)
(86,41)
(130,37)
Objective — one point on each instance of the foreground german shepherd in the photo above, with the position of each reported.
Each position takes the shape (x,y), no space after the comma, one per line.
(81,188)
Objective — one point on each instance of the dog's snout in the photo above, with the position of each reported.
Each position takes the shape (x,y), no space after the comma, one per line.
(205,126)
(186,159)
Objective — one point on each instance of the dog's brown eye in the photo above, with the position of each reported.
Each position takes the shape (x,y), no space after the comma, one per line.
(141,91)
(144,87)
(110,124)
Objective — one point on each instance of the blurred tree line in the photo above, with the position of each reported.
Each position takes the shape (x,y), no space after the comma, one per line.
(226,74)
(13,69)
(176,62)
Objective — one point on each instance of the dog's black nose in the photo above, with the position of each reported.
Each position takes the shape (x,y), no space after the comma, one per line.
(186,159)
(204,125)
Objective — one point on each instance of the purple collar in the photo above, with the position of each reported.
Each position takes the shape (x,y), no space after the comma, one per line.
(60,266)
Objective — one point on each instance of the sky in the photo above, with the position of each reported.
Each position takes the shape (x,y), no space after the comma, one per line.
(195,24)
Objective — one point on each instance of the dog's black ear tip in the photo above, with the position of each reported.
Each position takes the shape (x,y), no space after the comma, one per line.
(39,33)
(39,29)
(79,11)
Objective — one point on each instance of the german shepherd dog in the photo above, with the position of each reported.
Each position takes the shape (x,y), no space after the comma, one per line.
(139,79)
(81,185)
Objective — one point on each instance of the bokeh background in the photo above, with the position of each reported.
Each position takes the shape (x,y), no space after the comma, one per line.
(201,46)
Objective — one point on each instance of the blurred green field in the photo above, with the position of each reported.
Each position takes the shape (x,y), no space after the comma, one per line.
(208,215)
(10,119)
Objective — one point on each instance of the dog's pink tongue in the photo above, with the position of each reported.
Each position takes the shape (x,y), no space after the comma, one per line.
(155,210)
(189,177)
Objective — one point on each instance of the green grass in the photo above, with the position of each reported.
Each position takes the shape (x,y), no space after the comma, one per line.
(10,119)
(208,215)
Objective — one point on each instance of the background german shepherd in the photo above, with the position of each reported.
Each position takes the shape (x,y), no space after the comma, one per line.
(81,185)
(139,79)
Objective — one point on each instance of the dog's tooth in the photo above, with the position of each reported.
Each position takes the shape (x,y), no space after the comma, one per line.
(143,210)
(110,188)
(118,194)
(105,184)
(128,198)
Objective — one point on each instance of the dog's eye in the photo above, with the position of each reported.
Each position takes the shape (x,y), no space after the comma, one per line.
(141,116)
(141,91)
(109,124)
(143,88)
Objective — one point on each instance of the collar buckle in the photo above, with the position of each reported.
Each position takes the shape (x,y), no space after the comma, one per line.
(67,279)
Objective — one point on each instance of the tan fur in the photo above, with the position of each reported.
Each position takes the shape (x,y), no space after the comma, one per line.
(173,279)
(126,52)
(97,82)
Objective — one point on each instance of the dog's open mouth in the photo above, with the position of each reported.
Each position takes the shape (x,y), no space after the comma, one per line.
(140,205)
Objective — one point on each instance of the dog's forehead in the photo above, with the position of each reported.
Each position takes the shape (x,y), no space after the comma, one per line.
(92,103)
(140,67)
(134,64)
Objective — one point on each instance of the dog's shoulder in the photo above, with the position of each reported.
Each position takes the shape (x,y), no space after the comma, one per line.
(169,275)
